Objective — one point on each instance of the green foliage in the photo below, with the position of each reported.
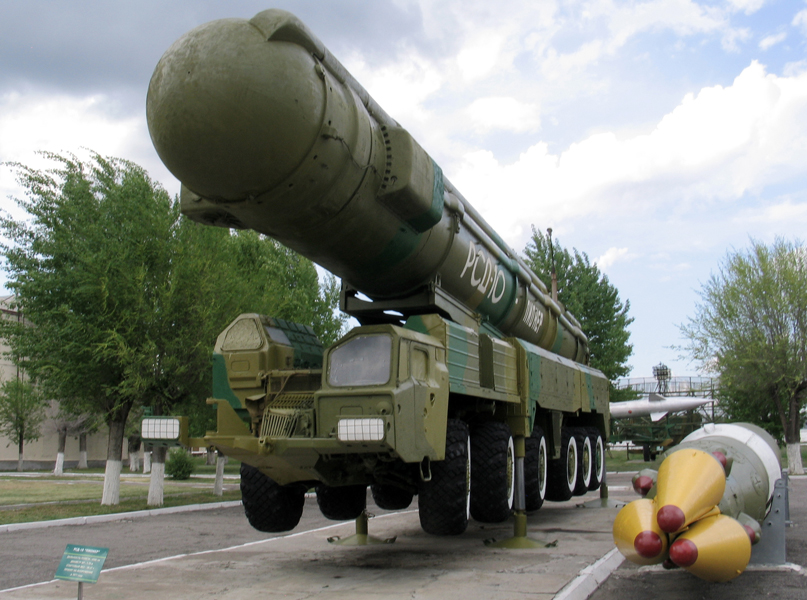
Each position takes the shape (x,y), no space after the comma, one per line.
(180,464)
(750,327)
(127,297)
(591,298)
(22,410)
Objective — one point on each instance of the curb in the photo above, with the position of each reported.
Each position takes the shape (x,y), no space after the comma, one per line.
(117,516)
(590,578)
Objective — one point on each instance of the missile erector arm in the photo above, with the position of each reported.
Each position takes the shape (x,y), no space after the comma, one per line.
(266,130)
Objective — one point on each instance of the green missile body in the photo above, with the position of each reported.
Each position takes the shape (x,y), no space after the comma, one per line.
(266,130)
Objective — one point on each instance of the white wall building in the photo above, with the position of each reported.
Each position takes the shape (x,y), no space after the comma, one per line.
(41,454)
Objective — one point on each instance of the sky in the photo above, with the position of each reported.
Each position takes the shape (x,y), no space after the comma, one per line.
(656,136)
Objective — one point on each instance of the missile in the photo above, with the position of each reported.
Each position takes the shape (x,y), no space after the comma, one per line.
(644,481)
(716,548)
(266,130)
(690,484)
(656,406)
(709,497)
(637,534)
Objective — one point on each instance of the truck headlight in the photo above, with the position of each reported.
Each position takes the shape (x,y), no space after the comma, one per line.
(165,431)
(361,430)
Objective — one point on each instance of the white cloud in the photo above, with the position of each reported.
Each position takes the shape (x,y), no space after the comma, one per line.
(400,89)
(800,21)
(55,123)
(715,146)
(782,211)
(772,40)
(479,56)
(30,123)
(611,256)
(747,6)
(625,21)
(503,113)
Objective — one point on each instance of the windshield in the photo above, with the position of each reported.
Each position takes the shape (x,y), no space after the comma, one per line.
(364,360)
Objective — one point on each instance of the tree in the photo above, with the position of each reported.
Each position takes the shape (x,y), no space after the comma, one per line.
(22,410)
(127,297)
(66,423)
(87,268)
(750,327)
(592,299)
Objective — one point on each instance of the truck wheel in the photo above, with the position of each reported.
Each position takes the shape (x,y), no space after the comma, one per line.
(390,497)
(444,500)
(584,461)
(597,458)
(270,507)
(493,467)
(343,503)
(562,471)
(535,464)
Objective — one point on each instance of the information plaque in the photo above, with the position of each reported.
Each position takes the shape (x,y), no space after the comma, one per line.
(81,563)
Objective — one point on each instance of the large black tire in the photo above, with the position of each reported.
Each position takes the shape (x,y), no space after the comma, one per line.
(562,471)
(444,500)
(270,507)
(493,469)
(584,461)
(343,503)
(597,458)
(390,497)
(535,469)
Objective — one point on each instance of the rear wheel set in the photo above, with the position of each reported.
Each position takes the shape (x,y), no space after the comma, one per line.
(562,471)
(493,471)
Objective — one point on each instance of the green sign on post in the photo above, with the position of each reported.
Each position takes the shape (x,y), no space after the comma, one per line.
(82,564)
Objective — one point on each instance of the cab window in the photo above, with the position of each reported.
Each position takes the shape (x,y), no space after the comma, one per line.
(363,360)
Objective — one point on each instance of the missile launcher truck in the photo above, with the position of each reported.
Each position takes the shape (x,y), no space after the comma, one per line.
(465,384)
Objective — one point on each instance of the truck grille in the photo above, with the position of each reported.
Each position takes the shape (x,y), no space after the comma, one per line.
(281,416)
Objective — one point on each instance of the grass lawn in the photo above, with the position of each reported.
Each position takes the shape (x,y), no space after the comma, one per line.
(15,490)
(233,467)
(47,512)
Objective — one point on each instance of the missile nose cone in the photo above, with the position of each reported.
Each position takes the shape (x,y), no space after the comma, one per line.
(232,113)
(670,518)
(642,485)
(683,553)
(721,458)
(690,485)
(715,548)
(637,536)
(648,544)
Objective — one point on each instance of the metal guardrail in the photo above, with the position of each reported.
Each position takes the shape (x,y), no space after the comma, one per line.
(678,386)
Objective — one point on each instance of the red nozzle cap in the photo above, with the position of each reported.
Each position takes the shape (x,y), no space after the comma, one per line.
(684,553)
(648,544)
(642,485)
(752,535)
(721,458)
(670,518)
(669,565)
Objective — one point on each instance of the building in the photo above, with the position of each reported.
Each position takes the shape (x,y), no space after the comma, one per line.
(41,454)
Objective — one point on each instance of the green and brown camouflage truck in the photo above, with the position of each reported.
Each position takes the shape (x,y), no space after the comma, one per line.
(465,384)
